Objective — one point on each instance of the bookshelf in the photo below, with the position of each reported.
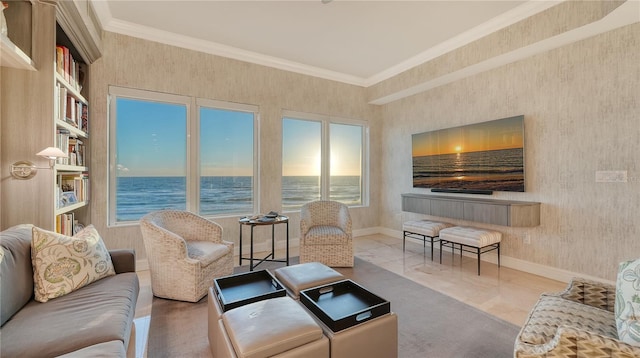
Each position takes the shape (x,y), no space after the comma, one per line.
(71,123)
(34,116)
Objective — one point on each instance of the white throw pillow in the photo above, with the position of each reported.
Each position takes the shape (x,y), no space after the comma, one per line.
(63,264)
(627,308)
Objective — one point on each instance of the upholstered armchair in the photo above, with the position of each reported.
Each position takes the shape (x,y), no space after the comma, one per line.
(577,322)
(185,253)
(325,234)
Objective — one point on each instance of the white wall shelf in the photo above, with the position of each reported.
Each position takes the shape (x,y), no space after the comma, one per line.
(14,57)
(485,210)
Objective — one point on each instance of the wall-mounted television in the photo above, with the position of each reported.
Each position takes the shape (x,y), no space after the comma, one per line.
(477,158)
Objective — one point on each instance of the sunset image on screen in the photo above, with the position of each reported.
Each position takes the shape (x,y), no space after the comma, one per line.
(484,156)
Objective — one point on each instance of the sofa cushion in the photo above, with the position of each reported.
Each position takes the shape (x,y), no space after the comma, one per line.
(63,264)
(16,274)
(326,235)
(552,312)
(627,309)
(99,312)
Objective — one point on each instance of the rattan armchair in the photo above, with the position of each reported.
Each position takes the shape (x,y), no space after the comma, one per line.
(325,234)
(185,253)
(577,322)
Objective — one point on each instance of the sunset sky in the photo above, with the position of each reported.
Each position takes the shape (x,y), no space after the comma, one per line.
(499,134)
(152,141)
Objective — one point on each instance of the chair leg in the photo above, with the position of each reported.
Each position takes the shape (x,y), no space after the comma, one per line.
(498,254)
(440,252)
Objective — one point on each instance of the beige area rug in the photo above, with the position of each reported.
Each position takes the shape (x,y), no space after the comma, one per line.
(430,324)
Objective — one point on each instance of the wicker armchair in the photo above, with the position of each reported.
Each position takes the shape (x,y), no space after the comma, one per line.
(325,234)
(577,322)
(185,252)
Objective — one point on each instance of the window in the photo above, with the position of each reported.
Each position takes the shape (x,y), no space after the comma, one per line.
(226,159)
(322,158)
(164,155)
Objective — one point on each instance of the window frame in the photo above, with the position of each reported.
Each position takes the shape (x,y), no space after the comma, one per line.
(192,105)
(325,151)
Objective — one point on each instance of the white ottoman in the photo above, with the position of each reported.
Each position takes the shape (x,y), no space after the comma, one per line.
(299,277)
(421,229)
(480,240)
(277,327)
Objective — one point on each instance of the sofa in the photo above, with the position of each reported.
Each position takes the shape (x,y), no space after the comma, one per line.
(95,320)
(577,322)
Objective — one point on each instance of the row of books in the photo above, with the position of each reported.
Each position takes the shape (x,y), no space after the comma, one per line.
(69,109)
(76,152)
(73,147)
(70,69)
(65,223)
(76,184)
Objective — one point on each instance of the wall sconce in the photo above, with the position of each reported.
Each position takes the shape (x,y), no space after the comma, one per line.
(26,170)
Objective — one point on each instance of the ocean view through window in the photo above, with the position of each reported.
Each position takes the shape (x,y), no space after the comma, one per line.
(321,159)
(228,194)
(171,152)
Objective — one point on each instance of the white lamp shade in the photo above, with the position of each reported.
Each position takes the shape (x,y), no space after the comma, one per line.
(52,153)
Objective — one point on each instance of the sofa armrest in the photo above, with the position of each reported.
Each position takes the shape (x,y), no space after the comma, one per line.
(124,260)
(592,293)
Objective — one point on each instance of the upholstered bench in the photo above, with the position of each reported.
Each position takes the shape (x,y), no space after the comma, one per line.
(421,230)
(299,277)
(277,327)
(480,240)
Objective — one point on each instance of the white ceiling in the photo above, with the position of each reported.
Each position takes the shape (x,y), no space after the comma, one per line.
(357,42)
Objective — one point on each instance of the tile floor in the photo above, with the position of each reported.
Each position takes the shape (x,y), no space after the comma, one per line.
(506,293)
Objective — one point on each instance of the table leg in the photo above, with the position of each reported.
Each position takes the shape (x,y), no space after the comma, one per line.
(251,253)
(273,241)
(240,248)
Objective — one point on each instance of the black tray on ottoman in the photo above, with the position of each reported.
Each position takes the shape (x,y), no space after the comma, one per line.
(244,288)
(343,304)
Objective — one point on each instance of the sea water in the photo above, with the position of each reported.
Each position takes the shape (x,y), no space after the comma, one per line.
(486,170)
(137,196)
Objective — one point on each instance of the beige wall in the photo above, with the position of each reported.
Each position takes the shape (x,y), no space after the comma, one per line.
(581,104)
(135,63)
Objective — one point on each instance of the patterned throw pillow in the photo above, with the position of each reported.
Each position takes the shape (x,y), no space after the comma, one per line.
(63,264)
(627,308)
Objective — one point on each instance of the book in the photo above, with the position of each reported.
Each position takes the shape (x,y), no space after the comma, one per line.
(60,60)
(84,118)
(67,61)
(71,111)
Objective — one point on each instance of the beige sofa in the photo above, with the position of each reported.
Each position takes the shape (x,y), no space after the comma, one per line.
(577,322)
(96,320)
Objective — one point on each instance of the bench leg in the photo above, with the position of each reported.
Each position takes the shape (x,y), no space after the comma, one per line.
(440,252)
(498,254)
(478,260)
(431,248)
(424,244)
(404,239)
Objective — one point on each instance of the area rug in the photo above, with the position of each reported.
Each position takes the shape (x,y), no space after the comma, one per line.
(430,324)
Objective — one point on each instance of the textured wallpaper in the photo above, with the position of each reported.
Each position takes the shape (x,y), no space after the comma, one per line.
(581,105)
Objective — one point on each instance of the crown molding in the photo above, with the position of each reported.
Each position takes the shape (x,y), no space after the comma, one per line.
(523,11)
(187,42)
(626,14)
(508,18)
